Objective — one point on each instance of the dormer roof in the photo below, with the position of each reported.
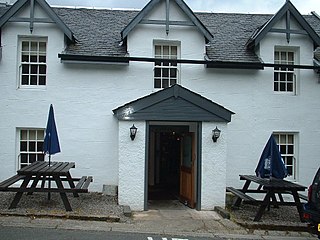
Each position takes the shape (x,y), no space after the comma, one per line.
(10,16)
(287,11)
(193,20)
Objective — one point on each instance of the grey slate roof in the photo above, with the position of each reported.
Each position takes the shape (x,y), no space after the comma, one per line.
(98,32)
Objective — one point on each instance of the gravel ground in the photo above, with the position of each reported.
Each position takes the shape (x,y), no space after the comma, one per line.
(276,218)
(87,204)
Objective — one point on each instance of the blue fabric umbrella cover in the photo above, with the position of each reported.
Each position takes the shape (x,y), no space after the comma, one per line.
(271,164)
(51,141)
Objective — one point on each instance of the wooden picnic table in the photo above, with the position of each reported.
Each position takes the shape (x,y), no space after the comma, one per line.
(268,188)
(41,171)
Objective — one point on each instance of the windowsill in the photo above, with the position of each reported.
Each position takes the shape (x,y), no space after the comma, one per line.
(33,88)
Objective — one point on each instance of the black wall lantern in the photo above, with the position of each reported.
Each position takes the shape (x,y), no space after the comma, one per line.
(133,132)
(215,134)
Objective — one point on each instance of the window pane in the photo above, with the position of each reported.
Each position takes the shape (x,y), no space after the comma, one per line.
(166,51)
(157,72)
(24,158)
(40,157)
(165,72)
(23,135)
(25,46)
(33,80)
(290,138)
(282,87)
(42,46)
(32,134)
(42,59)
(25,69)
(276,56)
(290,56)
(173,81)
(157,83)
(165,83)
(39,147)
(32,146)
(283,149)
(42,80)
(23,146)
(158,50)
(32,157)
(33,58)
(25,80)
(174,51)
(173,73)
(42,69)
(25,58)
(34,46)
(34,69)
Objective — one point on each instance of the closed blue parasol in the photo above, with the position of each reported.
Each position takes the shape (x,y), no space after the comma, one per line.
(271,164)
(51,141)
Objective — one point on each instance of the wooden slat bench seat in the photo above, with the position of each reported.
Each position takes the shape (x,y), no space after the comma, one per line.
(8,182)
(241,195)
(84,182)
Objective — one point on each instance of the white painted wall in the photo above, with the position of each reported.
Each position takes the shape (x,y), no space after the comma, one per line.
(132,165)
(214,158)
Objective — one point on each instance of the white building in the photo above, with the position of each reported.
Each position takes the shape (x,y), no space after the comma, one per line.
(174,74)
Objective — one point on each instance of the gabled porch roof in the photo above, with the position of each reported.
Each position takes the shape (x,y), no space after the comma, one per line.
(175,103)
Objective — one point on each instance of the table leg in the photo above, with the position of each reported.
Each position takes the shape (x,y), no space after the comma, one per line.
(34,184)
(63,195)
(264,204)
(298,204)
(71,183)
(18,195)
(244,190)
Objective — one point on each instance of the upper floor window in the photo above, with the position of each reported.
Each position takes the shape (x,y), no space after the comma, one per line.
(30,146)
(33,62)
(287,147)
(165,74)
(284,77)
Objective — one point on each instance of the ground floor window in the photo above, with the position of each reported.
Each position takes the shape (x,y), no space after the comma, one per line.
(30,146)
(287,147)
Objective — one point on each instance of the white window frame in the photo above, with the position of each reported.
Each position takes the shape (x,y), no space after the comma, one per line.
(161,69)
(285,79)
(28,146)
(32,65)
(288,148)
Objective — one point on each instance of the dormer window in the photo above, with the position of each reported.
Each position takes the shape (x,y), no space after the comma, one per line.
(165,73)
(33,62)
(284,77)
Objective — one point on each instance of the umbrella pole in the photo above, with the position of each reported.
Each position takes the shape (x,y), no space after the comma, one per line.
(49,183)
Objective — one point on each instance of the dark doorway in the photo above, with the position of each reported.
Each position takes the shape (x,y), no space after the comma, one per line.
(164,162)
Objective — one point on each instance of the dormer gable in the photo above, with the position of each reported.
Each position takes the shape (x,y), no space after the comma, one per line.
(12,16)
(287,12)
(141,18)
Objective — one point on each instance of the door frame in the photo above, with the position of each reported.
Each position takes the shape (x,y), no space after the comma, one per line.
(198,166)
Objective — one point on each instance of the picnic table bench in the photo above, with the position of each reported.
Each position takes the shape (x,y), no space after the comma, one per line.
(57,172)
(268,188)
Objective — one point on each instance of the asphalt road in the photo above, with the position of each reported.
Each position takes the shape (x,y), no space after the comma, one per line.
(14,233)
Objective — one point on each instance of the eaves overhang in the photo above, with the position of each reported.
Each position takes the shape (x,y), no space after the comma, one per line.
(71,58)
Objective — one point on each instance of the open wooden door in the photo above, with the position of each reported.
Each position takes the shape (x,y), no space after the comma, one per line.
(187,169)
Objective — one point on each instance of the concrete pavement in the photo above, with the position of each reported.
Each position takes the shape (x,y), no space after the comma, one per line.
(179,222)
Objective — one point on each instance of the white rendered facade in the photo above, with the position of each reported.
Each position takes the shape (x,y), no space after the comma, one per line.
(84,95)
